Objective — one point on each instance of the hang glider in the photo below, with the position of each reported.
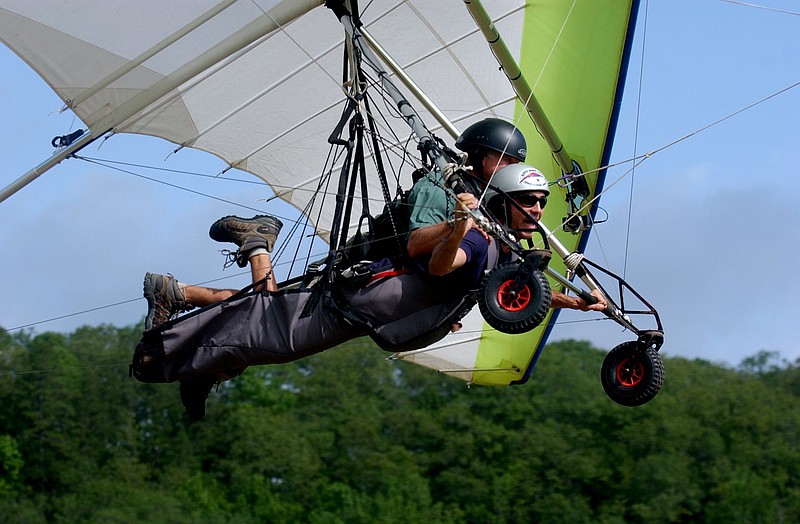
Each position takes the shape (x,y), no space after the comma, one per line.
(263,84)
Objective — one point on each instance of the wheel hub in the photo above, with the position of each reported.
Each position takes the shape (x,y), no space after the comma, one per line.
(513,297)
(630,372)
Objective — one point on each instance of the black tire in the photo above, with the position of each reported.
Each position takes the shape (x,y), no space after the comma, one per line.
(513,310)
(632,374)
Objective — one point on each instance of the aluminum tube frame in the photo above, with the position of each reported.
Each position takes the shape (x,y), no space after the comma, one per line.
(51,162)
(612,311)
(410,84)
(520,84)
(406,110)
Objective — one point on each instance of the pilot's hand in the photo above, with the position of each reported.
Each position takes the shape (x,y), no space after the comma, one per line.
(600,305)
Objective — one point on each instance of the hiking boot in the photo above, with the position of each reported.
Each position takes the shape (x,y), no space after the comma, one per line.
(194,392)
(164,299)
(241,230)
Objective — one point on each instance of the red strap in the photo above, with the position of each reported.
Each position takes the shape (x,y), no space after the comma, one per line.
(388,274)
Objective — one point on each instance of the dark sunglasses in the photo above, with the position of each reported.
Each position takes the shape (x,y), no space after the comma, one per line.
(529,200)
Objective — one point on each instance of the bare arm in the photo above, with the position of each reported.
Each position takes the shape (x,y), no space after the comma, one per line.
(425,239)
(422,241)
(447,255)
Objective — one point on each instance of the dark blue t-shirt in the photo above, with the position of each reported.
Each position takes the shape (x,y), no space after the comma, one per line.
(469,275)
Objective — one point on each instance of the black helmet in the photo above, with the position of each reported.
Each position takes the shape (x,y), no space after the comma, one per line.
(495,134)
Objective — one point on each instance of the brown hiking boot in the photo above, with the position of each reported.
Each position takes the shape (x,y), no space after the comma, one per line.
(247,233)
(164,299)
(239,230)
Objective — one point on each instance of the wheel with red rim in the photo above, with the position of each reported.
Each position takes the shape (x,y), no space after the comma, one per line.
(513,298)
(512,303)
(632,374)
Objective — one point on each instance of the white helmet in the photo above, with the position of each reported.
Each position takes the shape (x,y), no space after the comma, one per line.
(516,177)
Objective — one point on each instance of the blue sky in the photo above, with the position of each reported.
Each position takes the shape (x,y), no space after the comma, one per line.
(713,240)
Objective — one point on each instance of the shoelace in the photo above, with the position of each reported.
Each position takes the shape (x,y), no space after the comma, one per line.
(231,258)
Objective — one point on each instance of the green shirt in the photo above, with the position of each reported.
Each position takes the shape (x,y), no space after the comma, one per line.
(429,202)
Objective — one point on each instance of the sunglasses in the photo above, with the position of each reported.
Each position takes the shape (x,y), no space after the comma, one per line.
(529,200)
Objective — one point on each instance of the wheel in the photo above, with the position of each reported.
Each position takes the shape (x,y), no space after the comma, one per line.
(631,374)
(511,306)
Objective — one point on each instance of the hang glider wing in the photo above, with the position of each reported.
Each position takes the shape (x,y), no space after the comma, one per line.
(259,84)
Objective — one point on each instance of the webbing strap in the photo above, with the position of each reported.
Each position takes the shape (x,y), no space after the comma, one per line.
(388,274)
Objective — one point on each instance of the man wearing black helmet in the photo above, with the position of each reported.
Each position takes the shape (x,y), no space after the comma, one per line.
(400,311)
(490,144)
(231,330)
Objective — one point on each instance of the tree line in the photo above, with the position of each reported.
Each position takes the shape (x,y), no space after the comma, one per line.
(348,437)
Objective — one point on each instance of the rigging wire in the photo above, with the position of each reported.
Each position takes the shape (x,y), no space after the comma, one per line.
(637,160)
(635,141)
(123,302)
(200,193)
(766,8)
(14,373)
(107,162)
(70,315)
(111,165)
(324,180)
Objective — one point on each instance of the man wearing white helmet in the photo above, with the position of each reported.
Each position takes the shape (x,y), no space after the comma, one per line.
(527,186)
(529,189)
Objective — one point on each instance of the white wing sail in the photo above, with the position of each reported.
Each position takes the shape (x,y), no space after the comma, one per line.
(258,84)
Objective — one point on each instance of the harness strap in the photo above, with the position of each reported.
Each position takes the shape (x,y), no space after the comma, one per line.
(388,274)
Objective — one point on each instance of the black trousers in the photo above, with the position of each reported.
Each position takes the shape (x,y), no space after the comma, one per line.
(400,313)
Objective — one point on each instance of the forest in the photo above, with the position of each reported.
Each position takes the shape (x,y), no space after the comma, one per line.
(349,437)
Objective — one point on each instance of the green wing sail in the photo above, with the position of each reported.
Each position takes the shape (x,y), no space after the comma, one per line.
(574,56)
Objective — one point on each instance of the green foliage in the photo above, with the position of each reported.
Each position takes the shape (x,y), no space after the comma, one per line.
(10,465)
(347,437)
